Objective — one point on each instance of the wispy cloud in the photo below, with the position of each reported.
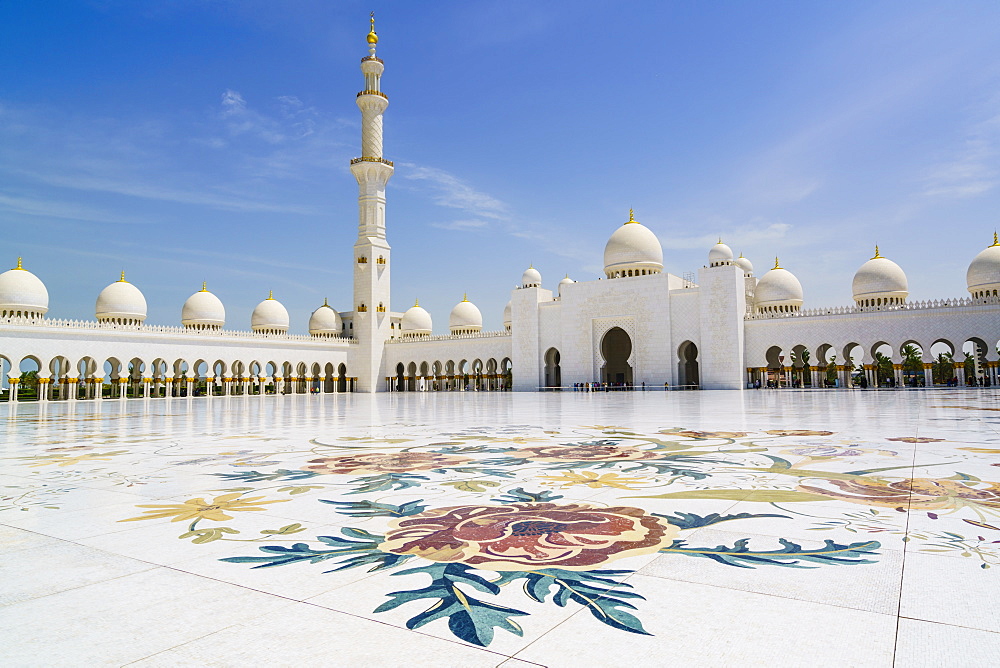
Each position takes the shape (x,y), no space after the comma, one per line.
(450,191)
(462,225)
(47,208)
(973,169)
(750,234)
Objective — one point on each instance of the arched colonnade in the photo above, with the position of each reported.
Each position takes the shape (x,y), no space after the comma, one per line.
(477,375)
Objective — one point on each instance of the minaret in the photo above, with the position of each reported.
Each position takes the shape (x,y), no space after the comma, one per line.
(371,250)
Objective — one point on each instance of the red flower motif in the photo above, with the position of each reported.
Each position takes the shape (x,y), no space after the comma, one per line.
(916,439)
(707,434)
(597,452)
(522,536)
(915,493)
(798,432)
(385,462)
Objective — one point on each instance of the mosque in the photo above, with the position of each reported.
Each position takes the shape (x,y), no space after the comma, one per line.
(638,326)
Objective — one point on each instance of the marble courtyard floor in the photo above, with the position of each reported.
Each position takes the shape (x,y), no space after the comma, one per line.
(779,528)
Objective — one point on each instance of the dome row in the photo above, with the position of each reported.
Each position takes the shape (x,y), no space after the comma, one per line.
(23,295)
(465,318)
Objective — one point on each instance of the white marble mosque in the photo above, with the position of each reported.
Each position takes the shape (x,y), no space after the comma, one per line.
(638,326)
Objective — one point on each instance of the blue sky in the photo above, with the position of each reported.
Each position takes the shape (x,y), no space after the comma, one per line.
(191,140)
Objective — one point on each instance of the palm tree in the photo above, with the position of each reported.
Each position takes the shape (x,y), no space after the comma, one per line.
(943,369)
(883,369)
(913,364)
(831,370)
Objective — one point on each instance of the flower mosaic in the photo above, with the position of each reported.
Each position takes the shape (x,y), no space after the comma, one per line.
(558,516)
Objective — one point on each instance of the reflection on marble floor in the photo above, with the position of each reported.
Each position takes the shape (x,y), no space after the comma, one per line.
(834,528)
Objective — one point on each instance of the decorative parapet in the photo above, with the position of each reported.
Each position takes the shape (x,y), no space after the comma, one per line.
(58,323)
(452,337)
(378,60)
(930,304)
(355,161)
(372,92)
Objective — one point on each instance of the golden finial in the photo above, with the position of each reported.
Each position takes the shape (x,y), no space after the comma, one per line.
(416,302)
(204,286)
(996,242)
(270,294)
(19,265)
(776,265)
(877,256)
(372,37)
(121,279)
(720,240)
(631,216)
(325,302)
(741,255)
(465,297)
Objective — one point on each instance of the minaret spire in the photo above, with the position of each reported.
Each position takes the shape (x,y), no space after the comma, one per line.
(371,279)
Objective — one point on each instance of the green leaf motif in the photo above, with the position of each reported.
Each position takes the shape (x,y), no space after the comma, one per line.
(258,476)
(386,482)
(373,509)
(520,495)
(791,554)
(285,530)
(361,552)
(299,489)
(759,495)
(472,485)
(207,535)
(469,618)
(692,521)
(603,596)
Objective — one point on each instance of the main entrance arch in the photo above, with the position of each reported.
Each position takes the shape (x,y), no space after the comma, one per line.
(553,372)
(687,364)
(616,346)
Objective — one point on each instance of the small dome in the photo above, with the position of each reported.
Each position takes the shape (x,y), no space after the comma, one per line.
(465,318)
(778,290)
(22,295)
(720,255)
(269,317)
(531,278)
(203,310)
(324,321)
(632,250)
(416,321)
(565,281)
(983,276)
(745,265)
(506,315)
(121,302)
(879,281)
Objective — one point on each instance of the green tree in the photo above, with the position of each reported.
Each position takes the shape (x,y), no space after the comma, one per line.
(28,385)
(943,369)
(831,370)
(913,364)
(883,369)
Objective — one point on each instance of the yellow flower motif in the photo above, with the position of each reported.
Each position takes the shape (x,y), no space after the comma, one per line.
(591,479)
(197,509)
(71,459)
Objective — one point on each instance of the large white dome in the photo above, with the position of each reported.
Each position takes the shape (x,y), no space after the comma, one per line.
(22,294)
(879,281)
(324,321)
(531,278)
(983,276)
(416,321)
(203,310)
(632,250)
(465,318)
(121,302)
(745,265)
(719,255)
(778,290)
(270,317)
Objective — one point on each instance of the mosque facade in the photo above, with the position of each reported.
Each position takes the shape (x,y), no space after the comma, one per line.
(636,327)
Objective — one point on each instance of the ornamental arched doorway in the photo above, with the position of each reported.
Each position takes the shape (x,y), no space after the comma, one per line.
(616,346)
(553,372)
